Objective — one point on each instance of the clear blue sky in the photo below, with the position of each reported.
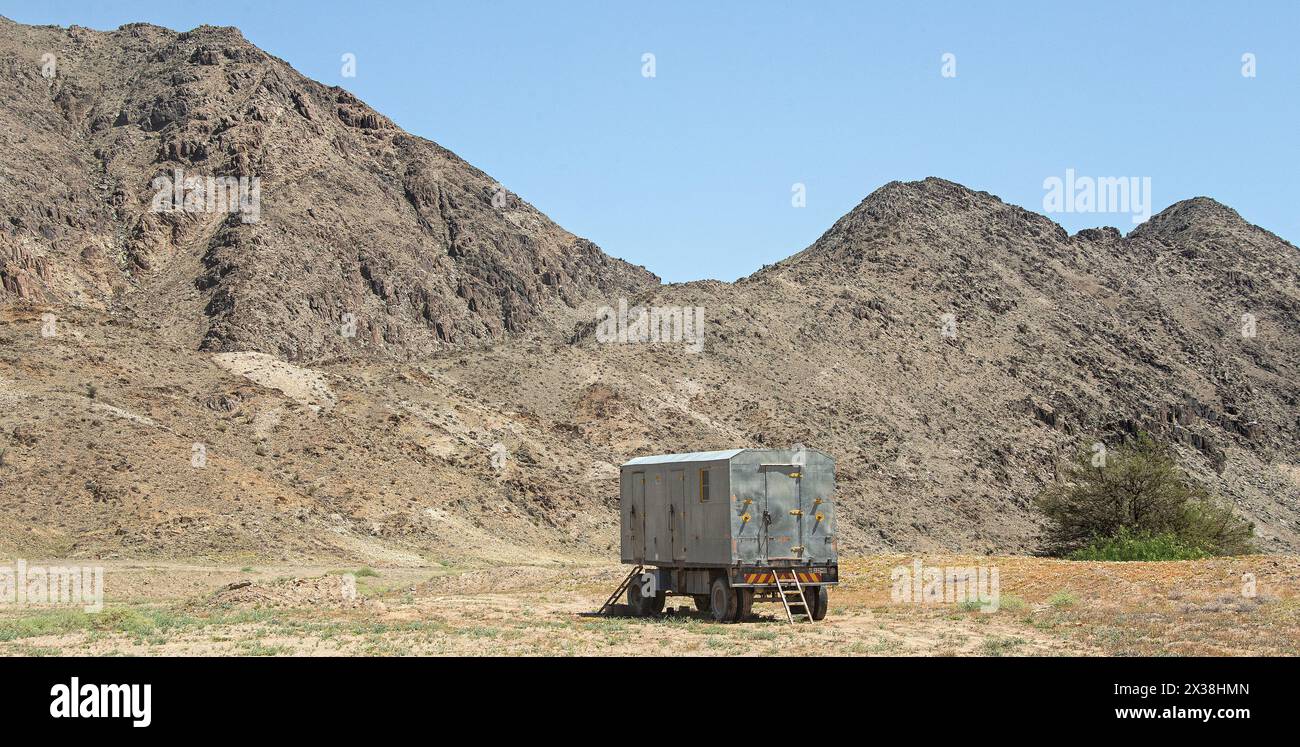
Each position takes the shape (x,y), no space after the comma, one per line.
(690,173)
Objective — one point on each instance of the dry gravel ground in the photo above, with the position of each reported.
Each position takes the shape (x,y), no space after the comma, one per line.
(1048,608)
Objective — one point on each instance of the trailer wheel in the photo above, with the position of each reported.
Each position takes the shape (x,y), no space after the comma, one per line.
(818,600)
(643,606)
(723,602)
(701,602)
(746,606)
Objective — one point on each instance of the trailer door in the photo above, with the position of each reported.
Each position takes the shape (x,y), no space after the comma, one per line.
(781,512)
(677,512)
(636,517)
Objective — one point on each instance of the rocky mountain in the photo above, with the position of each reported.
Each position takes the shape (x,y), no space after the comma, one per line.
(951,350)
(117,147)
(177,384)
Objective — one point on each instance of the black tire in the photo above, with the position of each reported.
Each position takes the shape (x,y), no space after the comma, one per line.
(723,602)
(641,606)
(746,606)
(635,602)
(701,602)
(818,601)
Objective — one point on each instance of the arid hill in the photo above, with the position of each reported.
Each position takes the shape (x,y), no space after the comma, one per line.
(180,384)
(353,215)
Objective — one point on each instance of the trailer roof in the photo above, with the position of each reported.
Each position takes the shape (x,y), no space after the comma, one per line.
(694,456)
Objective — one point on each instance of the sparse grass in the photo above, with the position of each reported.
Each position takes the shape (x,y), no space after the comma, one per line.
(1062,599)
(362,572)
(1011,603)
(59,622)
(142,623)
(881,647)
(1001,646)
(970,605)
(257,648)
(34,651)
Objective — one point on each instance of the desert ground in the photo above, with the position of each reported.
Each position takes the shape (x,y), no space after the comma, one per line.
(1047,608)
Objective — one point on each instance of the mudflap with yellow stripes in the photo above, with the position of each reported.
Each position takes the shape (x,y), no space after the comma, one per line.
(743,577)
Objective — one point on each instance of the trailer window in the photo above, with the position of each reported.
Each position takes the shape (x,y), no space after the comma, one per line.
(704,485)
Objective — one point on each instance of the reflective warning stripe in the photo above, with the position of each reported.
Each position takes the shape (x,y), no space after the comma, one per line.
(768,578)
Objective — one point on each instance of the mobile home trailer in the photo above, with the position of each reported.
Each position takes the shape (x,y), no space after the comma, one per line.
(727,527)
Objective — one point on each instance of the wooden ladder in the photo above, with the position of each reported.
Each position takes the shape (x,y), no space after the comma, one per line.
(792,598)
(622,587)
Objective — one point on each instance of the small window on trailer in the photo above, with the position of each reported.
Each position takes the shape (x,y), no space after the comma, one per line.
(704,485)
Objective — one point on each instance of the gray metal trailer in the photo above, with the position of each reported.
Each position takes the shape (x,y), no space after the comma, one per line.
(729,528)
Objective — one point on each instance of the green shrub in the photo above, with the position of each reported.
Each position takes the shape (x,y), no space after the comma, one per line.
(1127,544)
(1139,490)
